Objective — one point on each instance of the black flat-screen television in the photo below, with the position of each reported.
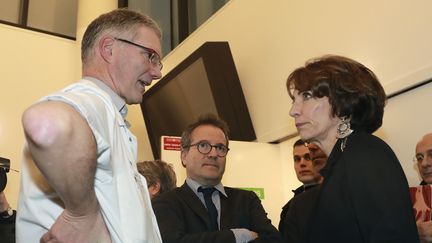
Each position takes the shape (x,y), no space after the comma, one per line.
(205,82)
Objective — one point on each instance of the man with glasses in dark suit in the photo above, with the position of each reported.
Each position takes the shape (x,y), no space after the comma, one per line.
(203,210)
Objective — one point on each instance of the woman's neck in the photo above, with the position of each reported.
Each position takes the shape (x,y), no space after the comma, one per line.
(326,145)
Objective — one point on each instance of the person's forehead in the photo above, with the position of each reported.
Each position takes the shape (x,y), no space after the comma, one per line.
(209,133)
(301,149)
(424,144)
(147,37)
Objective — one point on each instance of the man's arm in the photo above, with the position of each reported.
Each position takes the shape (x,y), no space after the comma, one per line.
(64,149)
(260,223)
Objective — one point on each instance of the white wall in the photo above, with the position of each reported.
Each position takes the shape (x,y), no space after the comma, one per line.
(32,65)
(406,120)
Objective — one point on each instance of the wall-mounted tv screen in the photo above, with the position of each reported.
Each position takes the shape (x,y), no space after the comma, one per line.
(205,82)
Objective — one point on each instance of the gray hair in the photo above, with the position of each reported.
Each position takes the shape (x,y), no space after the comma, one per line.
(117,21)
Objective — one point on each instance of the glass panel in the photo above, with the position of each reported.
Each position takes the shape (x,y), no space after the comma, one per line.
(201,10)
(58,16)
(166,13)
(160,12)
(9,10)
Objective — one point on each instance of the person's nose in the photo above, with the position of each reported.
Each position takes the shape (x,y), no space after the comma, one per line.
(155,72)
(295,109)
(212,152)
(303,162)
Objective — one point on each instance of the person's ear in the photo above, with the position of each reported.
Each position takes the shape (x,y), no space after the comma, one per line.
(183,154)
(105,48)
(154,190)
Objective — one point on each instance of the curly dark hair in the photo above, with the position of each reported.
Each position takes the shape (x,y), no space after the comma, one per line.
(353,90)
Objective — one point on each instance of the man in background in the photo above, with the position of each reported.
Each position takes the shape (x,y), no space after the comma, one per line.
(160,176)
(202,210)
(423,157)
(7,220)
(306,171)
(308,161)
(79,178)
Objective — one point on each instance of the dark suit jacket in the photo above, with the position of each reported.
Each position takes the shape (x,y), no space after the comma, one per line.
(7,228)
(182,217)
(364,197)
(282,222)
(298,214)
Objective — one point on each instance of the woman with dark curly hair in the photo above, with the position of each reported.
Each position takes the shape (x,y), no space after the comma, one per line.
(337,104)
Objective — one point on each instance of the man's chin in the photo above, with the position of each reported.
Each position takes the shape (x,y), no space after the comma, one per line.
(134,102)
(307,180)
(428,180)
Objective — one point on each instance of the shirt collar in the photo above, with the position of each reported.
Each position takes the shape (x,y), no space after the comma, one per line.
(194,185)
(306,186)
(119,103)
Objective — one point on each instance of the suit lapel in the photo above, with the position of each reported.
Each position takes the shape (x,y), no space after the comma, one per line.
(225,217)
(195,204)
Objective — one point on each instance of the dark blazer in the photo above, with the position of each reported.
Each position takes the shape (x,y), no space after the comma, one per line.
(364,197)
(182,217)
(7,228)
(298,214)
(282,226)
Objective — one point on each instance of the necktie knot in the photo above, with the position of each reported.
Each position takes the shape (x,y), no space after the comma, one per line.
(206,191)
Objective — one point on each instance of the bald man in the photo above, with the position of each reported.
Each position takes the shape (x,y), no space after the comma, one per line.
(423,157)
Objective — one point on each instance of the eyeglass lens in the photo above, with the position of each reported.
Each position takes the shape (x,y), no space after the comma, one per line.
(153,57)
(205,148)
(155,60)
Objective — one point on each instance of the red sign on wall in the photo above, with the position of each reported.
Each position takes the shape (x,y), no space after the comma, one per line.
(171,143)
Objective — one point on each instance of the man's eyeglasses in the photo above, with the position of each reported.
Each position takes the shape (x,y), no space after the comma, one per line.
(205,148)
(153,57)
(420,156)
(297,158)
